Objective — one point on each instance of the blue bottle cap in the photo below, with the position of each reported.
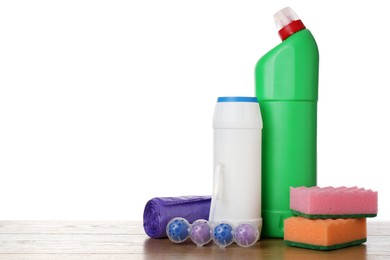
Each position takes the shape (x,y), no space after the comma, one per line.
(237,99)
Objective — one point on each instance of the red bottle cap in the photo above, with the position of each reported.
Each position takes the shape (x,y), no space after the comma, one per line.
(290,29)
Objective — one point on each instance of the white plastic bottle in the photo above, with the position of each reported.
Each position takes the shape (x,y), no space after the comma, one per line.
(237,127)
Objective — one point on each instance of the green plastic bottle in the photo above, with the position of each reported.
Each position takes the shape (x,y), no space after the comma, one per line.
(287,90)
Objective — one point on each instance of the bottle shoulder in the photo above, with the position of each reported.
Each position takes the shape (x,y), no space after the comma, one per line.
(302,40)
(289,70)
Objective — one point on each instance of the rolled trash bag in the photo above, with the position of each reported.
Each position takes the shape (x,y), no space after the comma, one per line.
(159,211)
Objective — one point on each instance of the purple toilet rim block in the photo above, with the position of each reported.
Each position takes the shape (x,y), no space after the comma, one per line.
(159,211)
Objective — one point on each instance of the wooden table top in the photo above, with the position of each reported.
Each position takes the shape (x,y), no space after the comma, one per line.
(127,240)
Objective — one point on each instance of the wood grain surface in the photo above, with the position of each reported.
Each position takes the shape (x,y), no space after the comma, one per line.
(127,240)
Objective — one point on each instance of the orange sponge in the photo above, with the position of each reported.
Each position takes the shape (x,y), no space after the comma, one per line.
(324,234)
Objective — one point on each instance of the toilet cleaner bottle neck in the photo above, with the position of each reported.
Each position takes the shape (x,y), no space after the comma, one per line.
(288,23)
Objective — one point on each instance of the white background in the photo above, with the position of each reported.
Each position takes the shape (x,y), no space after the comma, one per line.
(106,104)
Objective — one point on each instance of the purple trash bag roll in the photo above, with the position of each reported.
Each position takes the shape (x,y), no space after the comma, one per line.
(159,211)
